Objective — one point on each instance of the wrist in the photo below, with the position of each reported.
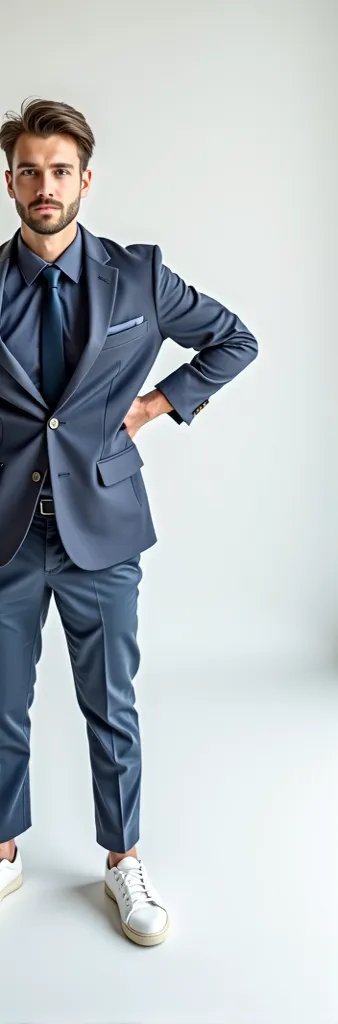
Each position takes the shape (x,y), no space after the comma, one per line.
(155,403)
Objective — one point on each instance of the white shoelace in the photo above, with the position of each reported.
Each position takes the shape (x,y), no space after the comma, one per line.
(133,885)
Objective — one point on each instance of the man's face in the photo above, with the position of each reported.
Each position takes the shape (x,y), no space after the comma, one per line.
(34,182)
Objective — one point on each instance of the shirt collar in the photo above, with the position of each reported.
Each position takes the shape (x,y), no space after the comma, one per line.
(70,261)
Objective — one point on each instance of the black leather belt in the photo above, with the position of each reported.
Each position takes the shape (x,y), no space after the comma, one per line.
(49,510)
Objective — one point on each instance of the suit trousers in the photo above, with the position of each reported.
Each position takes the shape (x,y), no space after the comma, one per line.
(98,610)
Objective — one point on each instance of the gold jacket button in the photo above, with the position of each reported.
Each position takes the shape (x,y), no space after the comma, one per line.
(36,477)
(53,423)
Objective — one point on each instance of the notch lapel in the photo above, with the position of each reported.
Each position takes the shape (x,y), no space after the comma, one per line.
(102,286)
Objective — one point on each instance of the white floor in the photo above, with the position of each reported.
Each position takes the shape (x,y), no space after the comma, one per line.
(239,833)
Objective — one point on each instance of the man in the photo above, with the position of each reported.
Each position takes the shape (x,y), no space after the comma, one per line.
(82,320)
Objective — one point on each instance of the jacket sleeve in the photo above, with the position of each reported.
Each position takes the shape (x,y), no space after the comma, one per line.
(224,344)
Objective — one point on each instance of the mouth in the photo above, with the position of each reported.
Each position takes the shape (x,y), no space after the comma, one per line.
(45,209)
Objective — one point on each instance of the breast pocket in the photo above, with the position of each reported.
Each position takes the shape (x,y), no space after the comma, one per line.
(123,337)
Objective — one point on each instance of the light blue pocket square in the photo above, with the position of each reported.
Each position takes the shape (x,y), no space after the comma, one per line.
(125,325)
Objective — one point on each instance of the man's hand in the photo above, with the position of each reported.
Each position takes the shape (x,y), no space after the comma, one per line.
(145,408)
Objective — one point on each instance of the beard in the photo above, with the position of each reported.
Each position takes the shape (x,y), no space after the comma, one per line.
(48,223)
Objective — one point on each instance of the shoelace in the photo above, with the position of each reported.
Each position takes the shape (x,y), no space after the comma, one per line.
(134,887)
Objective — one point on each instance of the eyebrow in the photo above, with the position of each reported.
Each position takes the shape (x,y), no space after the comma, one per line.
(28,163)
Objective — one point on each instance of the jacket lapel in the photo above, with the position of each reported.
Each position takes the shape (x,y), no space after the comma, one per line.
(102,285)
(7,360)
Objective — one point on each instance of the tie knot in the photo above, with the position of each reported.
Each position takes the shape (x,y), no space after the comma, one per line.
(51,275)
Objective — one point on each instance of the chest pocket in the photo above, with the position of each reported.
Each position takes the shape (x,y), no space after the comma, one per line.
(118,338)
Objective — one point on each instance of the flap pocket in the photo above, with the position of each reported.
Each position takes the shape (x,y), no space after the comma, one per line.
(118,467)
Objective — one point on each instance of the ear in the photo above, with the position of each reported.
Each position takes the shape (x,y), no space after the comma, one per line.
(86,182)
(8,176)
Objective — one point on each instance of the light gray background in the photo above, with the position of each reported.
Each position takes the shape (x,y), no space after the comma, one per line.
(216,138)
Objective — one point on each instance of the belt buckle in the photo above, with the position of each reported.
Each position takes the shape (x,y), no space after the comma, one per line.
(42,502)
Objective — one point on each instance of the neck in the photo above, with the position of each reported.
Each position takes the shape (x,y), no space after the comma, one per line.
(49,247)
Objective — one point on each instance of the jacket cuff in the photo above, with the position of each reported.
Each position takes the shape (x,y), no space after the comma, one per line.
(179,412)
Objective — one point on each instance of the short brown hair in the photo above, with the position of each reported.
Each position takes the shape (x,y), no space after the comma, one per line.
(47,117)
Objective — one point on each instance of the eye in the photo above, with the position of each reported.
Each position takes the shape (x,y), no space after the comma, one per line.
(31,170)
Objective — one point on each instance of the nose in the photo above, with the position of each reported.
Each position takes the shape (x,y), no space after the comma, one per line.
(46,189)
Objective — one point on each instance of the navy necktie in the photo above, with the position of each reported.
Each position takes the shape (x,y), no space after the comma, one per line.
(53,371)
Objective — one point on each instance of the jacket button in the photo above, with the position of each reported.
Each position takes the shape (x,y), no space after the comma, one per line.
(36,477)
(53,423)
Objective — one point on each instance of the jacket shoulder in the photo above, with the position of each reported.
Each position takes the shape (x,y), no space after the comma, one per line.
(142,251)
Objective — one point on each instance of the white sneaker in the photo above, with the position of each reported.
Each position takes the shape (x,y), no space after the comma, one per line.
(10,875)
(143,917)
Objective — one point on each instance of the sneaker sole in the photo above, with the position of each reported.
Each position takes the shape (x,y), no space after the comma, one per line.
(11,887)
(138,937)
